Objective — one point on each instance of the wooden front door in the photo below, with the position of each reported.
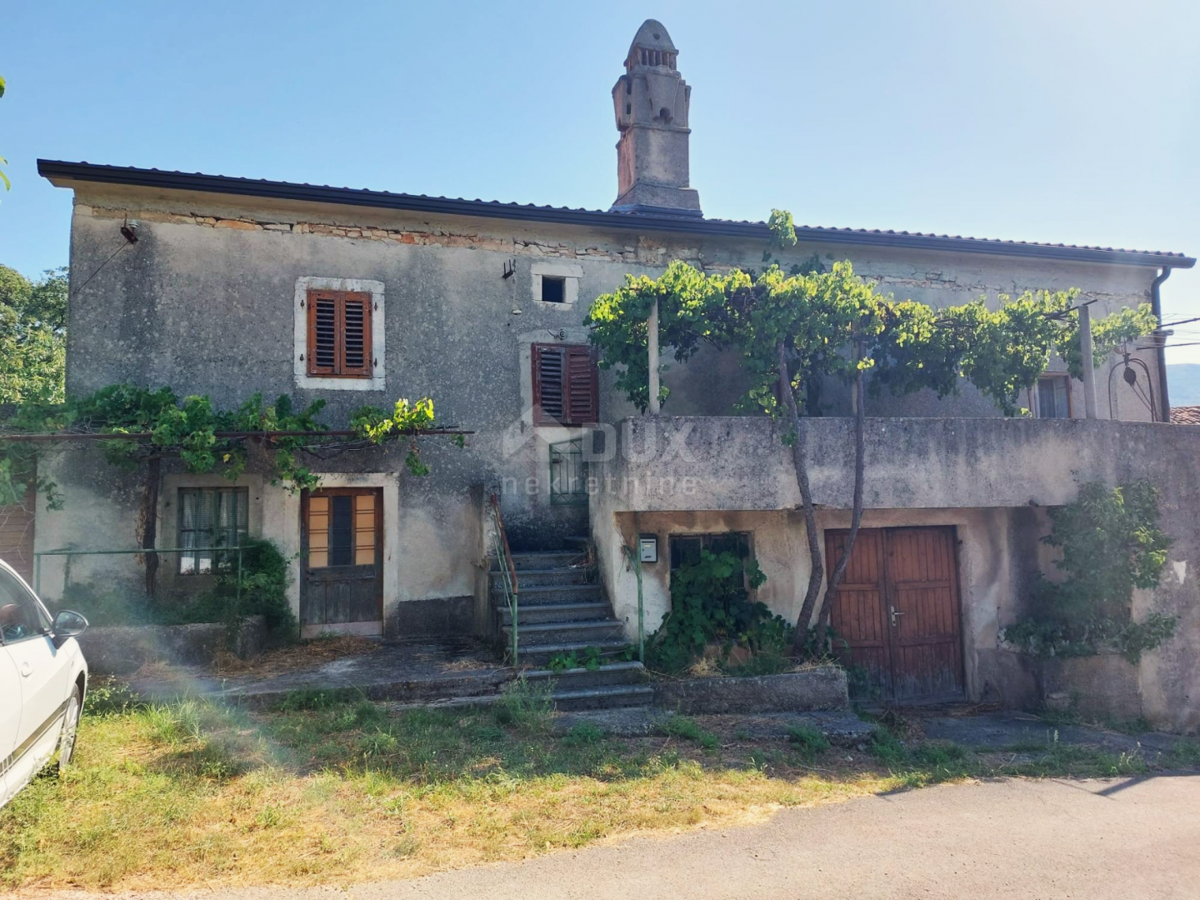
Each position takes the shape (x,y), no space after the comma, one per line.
(896,614)
(342,561)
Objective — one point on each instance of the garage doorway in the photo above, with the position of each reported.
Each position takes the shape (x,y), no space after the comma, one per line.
(897,615)
(341,536)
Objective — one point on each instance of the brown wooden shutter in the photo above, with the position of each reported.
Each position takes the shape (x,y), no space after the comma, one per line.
(356,332)
(565,384)
(339,334)
(549,380)
(582,389)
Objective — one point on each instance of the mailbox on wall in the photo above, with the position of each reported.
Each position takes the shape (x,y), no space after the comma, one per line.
(648,548)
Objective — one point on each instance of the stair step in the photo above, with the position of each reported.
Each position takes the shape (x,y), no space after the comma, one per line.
(554,612)
(582,679)
(608,697)
(542,577)
(565,632)
(541,654)
(552,593)
(542,559)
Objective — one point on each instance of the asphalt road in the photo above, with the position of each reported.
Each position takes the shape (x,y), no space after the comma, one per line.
(1124,838)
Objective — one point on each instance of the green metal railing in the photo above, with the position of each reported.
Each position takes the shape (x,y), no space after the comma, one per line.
(227,551)
(503,554)
(568,473)
(635,562)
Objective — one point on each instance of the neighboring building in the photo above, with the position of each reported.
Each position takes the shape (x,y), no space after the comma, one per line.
(237,286)
(1185,415)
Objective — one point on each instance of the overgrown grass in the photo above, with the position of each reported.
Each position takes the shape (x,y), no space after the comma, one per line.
(330,788)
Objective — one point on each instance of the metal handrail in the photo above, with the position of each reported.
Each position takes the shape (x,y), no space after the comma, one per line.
(142,551)
(508,567)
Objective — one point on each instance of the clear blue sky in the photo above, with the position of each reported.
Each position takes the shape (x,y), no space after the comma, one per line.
(1058,120)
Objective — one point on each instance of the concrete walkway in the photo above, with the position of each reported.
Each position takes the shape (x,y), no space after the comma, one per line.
(1100,840)
(415,671)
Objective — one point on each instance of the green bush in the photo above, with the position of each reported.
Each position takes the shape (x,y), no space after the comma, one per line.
(1111,543)
(710,604)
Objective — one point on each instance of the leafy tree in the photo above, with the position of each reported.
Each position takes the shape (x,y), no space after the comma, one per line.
(799,329)
(32,336)
(3,161)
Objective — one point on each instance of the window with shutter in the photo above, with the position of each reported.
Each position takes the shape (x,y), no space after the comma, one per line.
(339,334)
(565,384)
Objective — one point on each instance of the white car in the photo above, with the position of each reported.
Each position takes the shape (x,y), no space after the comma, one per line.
(43,678)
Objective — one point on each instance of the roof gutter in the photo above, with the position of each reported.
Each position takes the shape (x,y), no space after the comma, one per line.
(1160,340)
(64,174)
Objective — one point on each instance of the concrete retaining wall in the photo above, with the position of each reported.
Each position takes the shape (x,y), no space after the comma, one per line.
(812,689)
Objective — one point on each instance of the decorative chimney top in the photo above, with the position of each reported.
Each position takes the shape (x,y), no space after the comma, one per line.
(651,103)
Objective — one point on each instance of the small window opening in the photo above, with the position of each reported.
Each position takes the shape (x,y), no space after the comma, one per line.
(554,289)
(1054,397)
(628,86)
(664,114)
(628,109)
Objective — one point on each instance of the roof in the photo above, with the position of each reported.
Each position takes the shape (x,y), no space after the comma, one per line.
(653,36)
(1185,415)
(66,174)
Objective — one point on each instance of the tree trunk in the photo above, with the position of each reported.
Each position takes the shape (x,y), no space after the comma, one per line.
(800,462)
(835,577)
(150,522)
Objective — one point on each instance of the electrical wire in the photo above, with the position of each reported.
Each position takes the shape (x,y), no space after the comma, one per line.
(98,268)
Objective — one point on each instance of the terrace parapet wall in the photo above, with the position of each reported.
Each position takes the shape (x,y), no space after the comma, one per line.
(741,463)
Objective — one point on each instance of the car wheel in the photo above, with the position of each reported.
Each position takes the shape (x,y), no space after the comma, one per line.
(66,743)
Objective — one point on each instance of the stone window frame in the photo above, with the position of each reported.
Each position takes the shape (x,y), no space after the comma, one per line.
(378,379)
(570,273)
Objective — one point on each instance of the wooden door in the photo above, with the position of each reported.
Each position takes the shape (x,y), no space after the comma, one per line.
(857,613)
(342,561)
(897,613)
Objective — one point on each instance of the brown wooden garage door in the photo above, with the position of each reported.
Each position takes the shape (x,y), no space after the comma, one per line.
(896,613)
(16,535)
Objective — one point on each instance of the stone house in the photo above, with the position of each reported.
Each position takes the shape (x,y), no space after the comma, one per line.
(236,286)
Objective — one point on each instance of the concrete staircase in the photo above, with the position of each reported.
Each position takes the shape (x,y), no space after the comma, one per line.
(563,613)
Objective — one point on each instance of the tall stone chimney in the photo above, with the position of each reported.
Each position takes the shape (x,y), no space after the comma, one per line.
(651,101)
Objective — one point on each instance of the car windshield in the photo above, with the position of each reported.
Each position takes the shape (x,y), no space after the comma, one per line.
(20,614)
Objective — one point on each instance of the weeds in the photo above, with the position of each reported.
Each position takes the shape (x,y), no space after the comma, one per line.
(525,706)
(583,735)
(335,789)
(683,727)
(809,740)
(109,697)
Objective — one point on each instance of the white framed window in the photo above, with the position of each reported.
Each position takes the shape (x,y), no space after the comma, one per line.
(556,284)
(370,375)
(1053,400)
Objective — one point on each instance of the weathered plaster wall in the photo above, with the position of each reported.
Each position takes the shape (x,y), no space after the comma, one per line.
(676,463)
(990,572)
(988,477)
(204,303)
